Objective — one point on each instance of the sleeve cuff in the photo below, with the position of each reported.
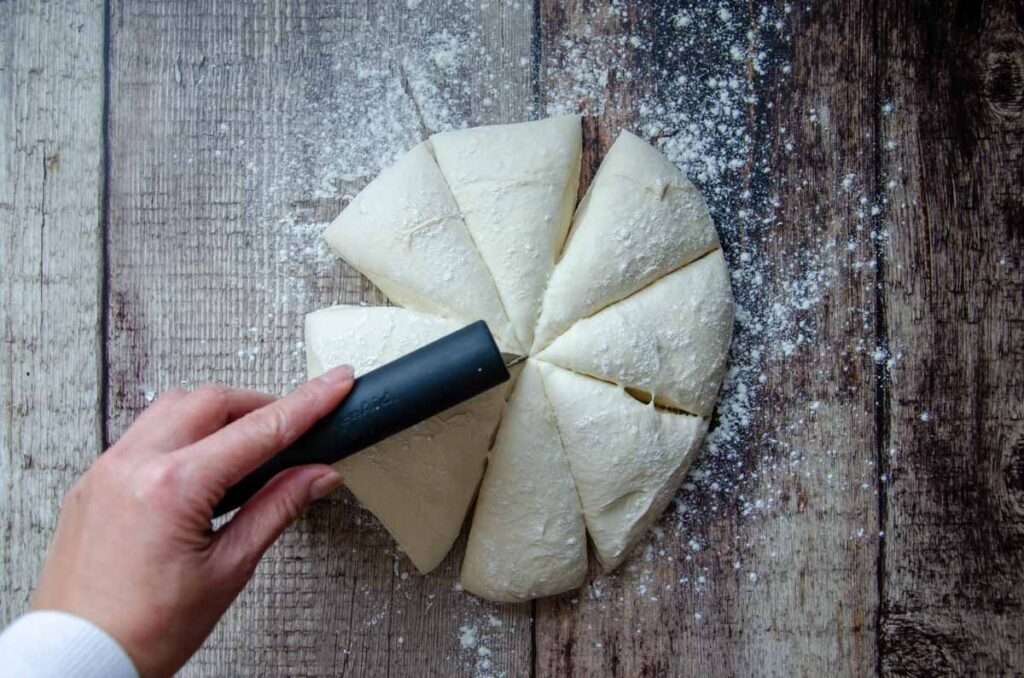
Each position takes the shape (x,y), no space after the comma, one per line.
(48,643)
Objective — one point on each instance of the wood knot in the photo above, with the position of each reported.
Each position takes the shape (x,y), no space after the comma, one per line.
(1003,78)
(1013,476)
(912,648)
(1013,469)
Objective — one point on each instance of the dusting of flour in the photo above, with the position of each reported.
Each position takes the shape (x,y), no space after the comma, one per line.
(705,115)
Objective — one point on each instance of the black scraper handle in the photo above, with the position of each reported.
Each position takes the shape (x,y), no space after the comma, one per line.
(387,400)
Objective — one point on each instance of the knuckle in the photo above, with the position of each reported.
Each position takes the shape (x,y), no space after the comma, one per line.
(158,481)
(77,495)
(289,507)
(104,465)
(309,396)
(271,424)
(212,396)
(108,470)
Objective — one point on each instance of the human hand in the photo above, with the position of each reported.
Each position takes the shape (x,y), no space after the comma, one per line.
(134,551)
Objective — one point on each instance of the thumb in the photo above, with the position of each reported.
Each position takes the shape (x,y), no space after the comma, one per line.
(265,516)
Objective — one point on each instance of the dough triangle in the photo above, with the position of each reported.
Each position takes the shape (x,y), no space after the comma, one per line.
(670,339)
(639,220)
(528,539)
(404,232)
(420,482)
(627,458)
(516,187)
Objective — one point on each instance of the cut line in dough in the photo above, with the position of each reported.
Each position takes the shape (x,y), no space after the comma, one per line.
(405,233)
(622,238)
(518,221)
(681,361)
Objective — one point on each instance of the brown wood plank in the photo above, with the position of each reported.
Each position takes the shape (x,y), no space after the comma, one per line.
(237,129)
(767,565)
(51,117)
(953,150)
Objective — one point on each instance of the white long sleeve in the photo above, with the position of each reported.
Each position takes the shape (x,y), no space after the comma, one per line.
(48,644)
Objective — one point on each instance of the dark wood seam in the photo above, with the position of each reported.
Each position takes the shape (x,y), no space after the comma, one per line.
(881,368)
(104,349)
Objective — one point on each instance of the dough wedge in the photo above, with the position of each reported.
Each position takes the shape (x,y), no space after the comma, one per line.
(528,538)
(405,233)
(420,482)
(516,187)
(627,458)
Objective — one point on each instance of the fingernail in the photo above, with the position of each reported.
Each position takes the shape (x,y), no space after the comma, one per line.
(324,485)
(338,374)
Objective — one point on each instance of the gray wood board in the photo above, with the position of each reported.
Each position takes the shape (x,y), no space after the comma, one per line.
(51,138)
(232,140)
(228,125)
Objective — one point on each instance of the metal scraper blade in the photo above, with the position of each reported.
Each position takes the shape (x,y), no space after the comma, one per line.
(512,359)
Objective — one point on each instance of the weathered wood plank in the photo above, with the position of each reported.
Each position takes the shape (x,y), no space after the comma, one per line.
(953,150)
(768,563)
(51,121)
(237,129)
(218,155)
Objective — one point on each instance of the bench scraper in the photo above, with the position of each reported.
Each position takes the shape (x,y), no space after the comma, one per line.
(390,399)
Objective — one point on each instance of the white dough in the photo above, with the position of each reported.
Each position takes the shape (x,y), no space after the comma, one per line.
(420,482)
(516,187)
(405,233)
(626,319)
(528,539)
(627,458)
(639,220)
(670,339)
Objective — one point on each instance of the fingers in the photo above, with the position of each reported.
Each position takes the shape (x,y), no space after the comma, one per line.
(180,418)
(207,410)
(226,456)
(264,517)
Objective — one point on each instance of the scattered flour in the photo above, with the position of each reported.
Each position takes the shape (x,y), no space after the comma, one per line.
(148,393)
(475,652)
(706,113)
(468,637)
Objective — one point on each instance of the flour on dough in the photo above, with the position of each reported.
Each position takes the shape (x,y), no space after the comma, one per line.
(670,339)
(405,233)
(516,186)
(627,458)
(639,220)
(420,482)
(528,539)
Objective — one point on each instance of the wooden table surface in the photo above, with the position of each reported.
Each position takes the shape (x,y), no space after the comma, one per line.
(160,189)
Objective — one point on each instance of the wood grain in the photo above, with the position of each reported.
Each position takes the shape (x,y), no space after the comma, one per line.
(51,112)
(221,114)
(952,147)
(231,141)
(674,611)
